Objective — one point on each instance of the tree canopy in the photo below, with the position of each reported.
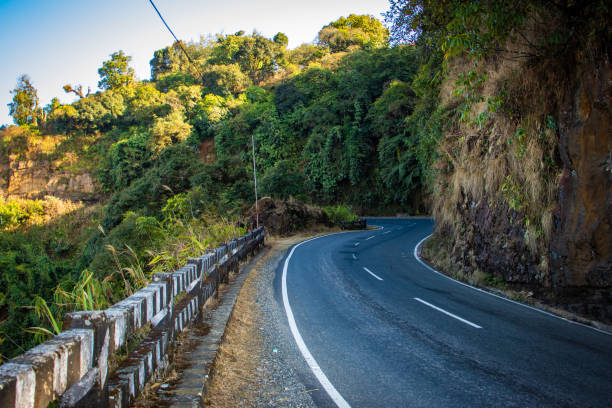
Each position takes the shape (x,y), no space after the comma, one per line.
(333,122)
(116,72)
(360,30)
(25,106)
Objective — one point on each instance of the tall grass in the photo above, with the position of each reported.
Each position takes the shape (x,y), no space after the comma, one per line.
(184,239)
(23,212)
(88,293)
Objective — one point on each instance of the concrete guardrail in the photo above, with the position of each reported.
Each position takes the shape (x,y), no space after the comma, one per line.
(358,224)
(87,364)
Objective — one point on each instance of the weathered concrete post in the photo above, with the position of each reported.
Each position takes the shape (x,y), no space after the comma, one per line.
(74,366)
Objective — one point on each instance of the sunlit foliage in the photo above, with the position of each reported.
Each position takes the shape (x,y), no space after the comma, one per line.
(116,73)
(360,30)
(25,107)
(347,121)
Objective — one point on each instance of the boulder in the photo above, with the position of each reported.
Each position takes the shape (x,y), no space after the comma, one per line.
(284,217)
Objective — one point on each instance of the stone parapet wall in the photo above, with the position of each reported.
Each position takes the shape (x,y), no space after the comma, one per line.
(75,367)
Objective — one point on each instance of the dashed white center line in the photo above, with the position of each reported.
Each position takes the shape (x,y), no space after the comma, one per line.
(354,257)
(356,243)
(386,232)
(448,313)
(372,273)
(370,238)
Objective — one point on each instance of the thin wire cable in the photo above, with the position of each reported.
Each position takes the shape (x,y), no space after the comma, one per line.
(180,43)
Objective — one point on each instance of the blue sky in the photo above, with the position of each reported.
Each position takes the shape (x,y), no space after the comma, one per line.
(66,41)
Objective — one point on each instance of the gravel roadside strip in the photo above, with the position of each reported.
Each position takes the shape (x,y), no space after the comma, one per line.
(258,364)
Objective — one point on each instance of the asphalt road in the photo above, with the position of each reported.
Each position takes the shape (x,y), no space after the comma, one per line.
(379,329)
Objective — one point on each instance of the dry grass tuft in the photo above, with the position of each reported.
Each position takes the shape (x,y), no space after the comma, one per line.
(510,160)
(236,380)
(233,383)
(495,175)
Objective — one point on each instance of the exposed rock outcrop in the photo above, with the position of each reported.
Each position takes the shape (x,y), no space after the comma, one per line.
(582,249)
(527,198)
(37,179)
(281,217)
(35,166)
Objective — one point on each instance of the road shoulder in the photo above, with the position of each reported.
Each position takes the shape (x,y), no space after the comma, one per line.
(257,364)
(523,298)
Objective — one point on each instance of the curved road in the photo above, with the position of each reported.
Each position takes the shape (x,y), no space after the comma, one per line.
(382,330)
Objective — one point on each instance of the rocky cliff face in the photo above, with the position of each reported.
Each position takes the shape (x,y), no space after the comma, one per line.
(32,170)
(285,217)
(31,179)
(527,198)
(581,252)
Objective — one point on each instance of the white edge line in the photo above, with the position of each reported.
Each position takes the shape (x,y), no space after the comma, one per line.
(370,238)
(312,363)
(372,273)
(354,257)
(386,232)
(356,243)
(439,309)
(418,258)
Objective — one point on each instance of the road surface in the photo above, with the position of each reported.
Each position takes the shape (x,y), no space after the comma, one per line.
(376,328)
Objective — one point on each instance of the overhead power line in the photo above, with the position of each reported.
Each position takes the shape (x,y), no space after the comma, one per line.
(179,42)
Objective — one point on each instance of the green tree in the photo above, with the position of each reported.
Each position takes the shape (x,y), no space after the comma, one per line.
(282,181)
(63,118)
(126,160)
(116,73)
(361,30)
(468,27)
(25,108)
(165,61)
(173,80)
(225,80)
(172,59)
(257,57)
(396,151)
(52,106)
(168,130)
(305,54)
(281,39)
(225,49)
(146,104)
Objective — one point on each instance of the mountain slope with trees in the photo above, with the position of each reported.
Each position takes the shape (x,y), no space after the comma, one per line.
(336,122)
(495,116)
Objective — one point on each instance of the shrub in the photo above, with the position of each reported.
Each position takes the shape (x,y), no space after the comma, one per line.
(169,130)
(340,213)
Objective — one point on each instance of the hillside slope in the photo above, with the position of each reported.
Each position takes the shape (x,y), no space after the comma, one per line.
(524,179)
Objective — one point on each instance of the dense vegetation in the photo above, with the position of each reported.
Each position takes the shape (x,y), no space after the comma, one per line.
(344,121)
(381,123)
